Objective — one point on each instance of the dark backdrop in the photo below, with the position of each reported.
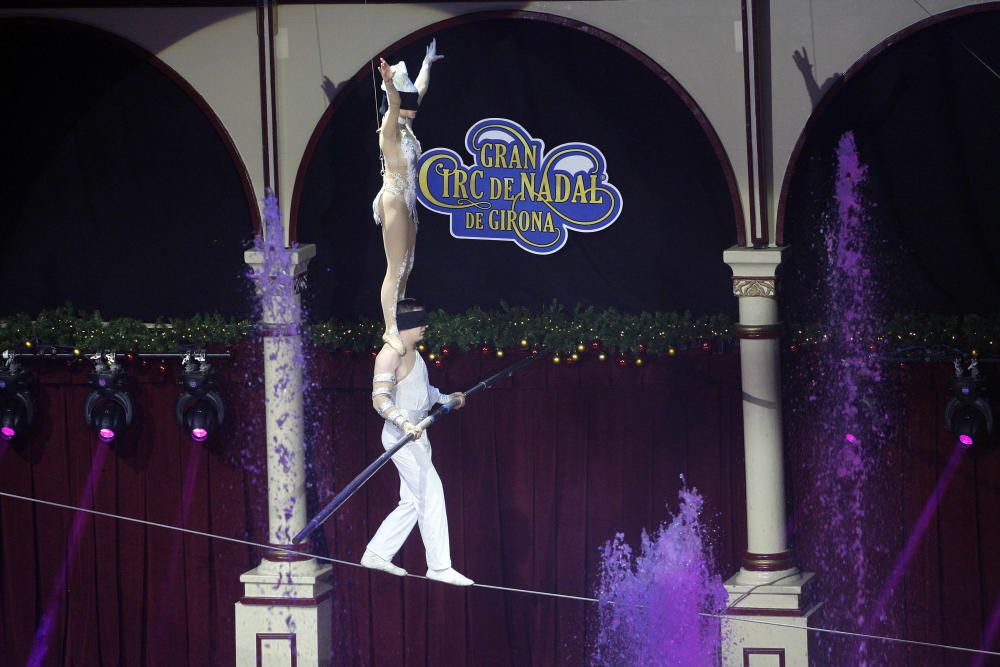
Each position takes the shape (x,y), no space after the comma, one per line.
(118,193)
(926,117)
(562,85)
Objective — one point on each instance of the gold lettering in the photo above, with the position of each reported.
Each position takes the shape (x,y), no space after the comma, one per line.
(473,219)
(594,197)
(544,191)
(528,185)
(484,157)
(563,188)
(580,190)
(477,193)
(549,227)
(461,177)
(530,158)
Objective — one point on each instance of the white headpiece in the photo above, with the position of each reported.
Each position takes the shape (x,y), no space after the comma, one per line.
(400,79)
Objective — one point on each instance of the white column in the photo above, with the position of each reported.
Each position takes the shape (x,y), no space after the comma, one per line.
(285,614)
(769,586)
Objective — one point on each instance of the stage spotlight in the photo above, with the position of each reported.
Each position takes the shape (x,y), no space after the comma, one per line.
(968,414)
(200,409)
(17,407)
(108,410)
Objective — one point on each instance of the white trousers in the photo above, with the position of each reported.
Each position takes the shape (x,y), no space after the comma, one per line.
(421,502)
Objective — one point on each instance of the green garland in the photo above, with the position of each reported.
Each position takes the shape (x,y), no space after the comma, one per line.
(513,327)
(509,327)
(89,332)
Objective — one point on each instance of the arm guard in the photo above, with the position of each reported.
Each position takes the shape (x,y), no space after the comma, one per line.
(383,388)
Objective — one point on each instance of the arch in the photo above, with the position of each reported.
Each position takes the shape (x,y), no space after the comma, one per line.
(840,85)
(710,134)
(171,74)
(129,168)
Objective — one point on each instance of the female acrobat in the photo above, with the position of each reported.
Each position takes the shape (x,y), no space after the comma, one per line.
(395,205)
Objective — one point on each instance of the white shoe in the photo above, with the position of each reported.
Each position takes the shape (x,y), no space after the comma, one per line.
(375,562)
(449,576)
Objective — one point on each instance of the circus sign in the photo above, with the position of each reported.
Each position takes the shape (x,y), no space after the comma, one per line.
(515,191)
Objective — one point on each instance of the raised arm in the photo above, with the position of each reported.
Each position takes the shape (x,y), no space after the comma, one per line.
(391,94)
(423,81)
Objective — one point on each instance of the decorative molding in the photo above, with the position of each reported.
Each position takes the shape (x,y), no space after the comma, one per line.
(757,331)
(783,560)
(286,553)
(747,652)
(272,636)
(753,287)
(797,612)
(286,601)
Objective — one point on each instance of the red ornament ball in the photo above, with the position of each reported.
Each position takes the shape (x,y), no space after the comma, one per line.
(622,361)
(130,357)
(485,349)
(438,363)
(445,351)
(794,347)
(596,345)
(706,346)
(535,350)
(642,348)
(163,368)
(144,364)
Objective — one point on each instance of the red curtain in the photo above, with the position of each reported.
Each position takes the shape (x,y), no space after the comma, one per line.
(538,473)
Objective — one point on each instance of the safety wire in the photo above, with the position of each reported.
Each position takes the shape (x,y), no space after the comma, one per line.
(960,42)
(508,589)
(371,65)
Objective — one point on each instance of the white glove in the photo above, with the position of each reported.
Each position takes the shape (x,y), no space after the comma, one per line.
(431,56)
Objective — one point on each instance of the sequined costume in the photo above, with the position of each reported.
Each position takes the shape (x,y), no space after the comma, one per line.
(399,184)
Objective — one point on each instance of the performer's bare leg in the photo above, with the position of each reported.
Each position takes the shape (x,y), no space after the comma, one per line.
(397,231)
(411,243)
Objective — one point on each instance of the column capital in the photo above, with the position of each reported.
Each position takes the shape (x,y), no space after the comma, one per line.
(753,263)
(754,270)
(298,258)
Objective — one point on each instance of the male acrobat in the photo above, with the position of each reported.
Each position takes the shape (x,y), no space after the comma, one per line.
(402,395)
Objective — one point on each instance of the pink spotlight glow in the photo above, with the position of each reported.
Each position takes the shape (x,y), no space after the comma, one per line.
(851,438)
(7,432)
(199,434)
(966,440)
(106,435)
